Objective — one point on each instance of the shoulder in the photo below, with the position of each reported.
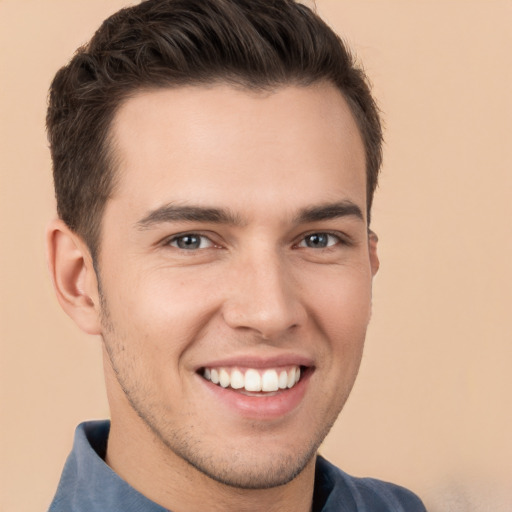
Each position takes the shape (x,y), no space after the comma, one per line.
(338,491)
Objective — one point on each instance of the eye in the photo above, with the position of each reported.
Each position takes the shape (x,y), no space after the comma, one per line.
(319,240)
(190,242)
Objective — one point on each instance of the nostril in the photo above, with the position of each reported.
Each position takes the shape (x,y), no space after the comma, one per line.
(266,309)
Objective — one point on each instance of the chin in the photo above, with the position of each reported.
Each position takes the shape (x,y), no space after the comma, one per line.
(245,463)
(249,472)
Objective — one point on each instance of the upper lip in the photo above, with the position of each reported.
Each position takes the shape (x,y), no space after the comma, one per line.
(258,362)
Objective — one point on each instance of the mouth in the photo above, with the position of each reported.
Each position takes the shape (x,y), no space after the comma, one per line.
(254,381)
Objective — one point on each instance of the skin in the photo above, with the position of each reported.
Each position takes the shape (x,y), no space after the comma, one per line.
(256,287)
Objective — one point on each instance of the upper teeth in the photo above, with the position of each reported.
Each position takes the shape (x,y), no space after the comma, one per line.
(252,379)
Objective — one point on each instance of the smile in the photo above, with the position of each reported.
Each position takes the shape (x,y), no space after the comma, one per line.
(253,380)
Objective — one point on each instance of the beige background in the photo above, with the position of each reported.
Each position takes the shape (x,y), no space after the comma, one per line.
(432,407)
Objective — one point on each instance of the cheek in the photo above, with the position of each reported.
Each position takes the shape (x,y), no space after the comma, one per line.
(342,302)
(341,309)
(160,312)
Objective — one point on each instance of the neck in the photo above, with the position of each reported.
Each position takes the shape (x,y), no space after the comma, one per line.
(165,478)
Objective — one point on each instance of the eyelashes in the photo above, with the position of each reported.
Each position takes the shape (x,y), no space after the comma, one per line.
(190,242)
(318,240)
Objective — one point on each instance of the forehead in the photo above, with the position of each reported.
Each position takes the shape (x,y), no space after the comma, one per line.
(209,144)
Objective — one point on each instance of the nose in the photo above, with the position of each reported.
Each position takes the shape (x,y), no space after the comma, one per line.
(263,297)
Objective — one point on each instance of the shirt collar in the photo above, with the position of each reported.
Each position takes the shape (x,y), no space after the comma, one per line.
(89,485)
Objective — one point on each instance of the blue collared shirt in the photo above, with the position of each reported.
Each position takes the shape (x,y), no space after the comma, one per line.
(89,485)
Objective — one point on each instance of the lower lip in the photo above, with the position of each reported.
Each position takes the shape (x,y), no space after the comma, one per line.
(262,407)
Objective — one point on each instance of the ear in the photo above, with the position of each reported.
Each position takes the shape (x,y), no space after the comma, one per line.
(74,278)
(372,249)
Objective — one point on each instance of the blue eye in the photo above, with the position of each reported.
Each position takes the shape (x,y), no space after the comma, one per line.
(319,240)
(191,242)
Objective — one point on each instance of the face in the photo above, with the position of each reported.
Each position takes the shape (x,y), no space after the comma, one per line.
(235,257)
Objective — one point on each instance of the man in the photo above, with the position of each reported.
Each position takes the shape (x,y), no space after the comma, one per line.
(214,166)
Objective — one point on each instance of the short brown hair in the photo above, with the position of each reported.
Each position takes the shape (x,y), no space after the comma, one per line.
(256,44)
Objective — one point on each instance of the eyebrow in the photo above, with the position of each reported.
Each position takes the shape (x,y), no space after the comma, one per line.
(181,213)
(329,211)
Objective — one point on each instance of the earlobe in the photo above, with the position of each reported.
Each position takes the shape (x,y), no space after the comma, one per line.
(372,248)
(73,276)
